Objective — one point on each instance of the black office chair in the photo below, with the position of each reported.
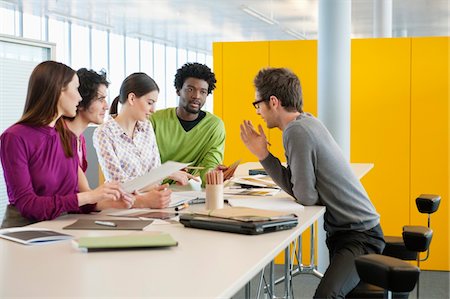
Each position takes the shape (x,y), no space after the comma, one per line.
(395,245)
(415,239)
(409,248)
(388,273)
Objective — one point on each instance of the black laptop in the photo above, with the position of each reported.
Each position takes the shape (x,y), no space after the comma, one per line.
(236,226)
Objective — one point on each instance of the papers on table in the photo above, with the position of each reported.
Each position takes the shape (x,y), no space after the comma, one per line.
(246,214)
(177,198)
(284,204)
(154,176)
(180,197)
(261,181)
(250,192)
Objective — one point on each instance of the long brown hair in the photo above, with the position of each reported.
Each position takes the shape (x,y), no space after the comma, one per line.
(44,89)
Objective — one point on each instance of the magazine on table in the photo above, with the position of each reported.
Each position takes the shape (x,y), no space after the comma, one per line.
(32,235)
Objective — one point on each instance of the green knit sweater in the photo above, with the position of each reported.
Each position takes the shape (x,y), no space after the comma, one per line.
(203,145)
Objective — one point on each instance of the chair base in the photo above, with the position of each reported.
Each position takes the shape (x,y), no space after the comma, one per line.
(368,291)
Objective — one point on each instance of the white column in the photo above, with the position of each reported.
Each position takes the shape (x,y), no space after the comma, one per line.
(333,86)
(382,18)
(334,70)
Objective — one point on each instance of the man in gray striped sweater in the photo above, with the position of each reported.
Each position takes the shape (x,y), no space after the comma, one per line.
(317,173)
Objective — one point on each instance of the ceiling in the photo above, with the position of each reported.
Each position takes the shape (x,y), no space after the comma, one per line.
(196,24)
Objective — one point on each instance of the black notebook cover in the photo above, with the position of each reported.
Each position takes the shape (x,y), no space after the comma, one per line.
(236,226)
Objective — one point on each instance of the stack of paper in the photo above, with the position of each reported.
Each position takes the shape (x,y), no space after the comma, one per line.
(246,214)
(286,204)
(250,192)
(261,181)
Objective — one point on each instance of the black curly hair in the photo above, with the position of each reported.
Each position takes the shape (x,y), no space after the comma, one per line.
(89,82)
(195,70)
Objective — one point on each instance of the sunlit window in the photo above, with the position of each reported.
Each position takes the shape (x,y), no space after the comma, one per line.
(117,67)
(171,67)
(80,47)
(58,33)
(7,21)
(181,58)
(201,58)
(209,61)
(99,50)
(132,55)
(32,26)
(160,72)
(192,56)
(147,57)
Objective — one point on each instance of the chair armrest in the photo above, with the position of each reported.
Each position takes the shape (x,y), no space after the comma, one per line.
(387,272)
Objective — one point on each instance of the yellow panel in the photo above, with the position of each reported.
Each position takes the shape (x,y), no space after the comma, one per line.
(430,140)
(380,124)
(301,58)
(240,64)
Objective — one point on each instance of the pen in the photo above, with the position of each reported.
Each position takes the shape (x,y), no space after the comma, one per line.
(181,207)
(105,223)
(197,200)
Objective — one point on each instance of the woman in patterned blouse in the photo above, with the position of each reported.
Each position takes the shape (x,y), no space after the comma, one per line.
(126,144)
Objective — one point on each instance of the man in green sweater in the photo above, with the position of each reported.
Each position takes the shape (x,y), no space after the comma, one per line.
(187,133)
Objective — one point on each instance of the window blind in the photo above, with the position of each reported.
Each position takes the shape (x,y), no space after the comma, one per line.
(18,58)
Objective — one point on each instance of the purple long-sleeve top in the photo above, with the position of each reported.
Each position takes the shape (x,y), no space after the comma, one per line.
(42,183)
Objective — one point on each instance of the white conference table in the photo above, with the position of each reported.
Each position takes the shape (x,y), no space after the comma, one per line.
(359,169)
(205,264)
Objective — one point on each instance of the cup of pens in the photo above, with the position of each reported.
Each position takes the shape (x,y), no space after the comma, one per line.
(214,190)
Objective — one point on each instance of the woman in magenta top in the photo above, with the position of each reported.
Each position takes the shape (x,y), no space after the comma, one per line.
(41,172)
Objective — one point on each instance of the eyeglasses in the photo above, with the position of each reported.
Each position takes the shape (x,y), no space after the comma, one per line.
(256,103)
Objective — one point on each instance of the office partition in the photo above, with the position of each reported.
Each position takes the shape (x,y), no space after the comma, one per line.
(399,118)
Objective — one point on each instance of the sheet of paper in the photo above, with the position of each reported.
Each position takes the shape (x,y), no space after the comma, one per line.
(284,204)
(250,192)
(154,176)
(177,198)
(180,197)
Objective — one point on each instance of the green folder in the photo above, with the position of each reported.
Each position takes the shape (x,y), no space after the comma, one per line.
(132,241)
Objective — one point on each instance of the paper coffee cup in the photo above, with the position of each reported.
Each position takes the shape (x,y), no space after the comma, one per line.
(214,197)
